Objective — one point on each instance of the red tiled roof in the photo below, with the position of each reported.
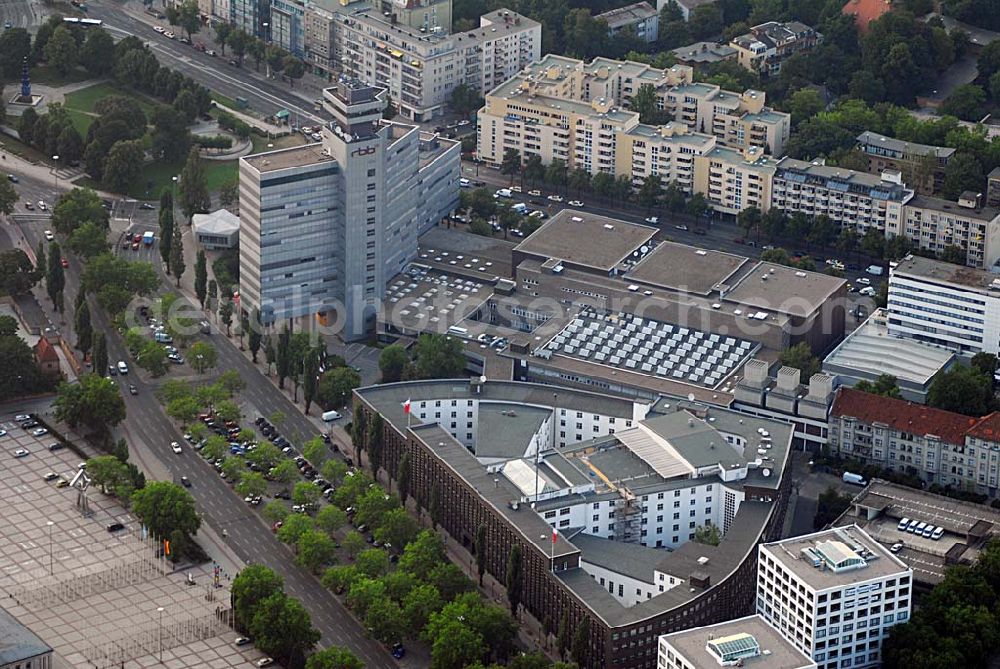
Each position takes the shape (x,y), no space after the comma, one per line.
(44,351)
(866,11)
(904,416)
(987,428)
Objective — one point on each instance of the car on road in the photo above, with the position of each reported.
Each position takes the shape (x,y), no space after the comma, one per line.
(184,40)
(135,246)
(11,178)
(3,433)
(132,390)
(896,547)
(575,203)
(56,446)
(175,447)
(169,34)
(652,219)
(112,370)
(864,281)
(21,417)
(28,424)
(39,431)
(265,662)
(212,53)
(29,206)
(159,29)
(51,476)
(146,206)
(398,651)
(7,25)
(41,205)
(464,121)
(176,359)
(49,236)
(20,453)
(115,527)
(122,368)
(185,482)
(241,641)
(64,263)
(234,62)
(555,198)
(682,227)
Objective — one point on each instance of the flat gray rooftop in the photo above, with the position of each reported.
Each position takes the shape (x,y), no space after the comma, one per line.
(785,290)
(945,272)
(586,239)
(692,645)
(953,515)
(504,430)
(282,159)
(685,268)
(789,553)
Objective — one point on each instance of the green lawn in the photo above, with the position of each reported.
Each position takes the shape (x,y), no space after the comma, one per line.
(86,99)
(81,121)
(160,173)
(43,74)
(223,100)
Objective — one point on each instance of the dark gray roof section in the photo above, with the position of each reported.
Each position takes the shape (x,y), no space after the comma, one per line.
(17,642)
(869,138)
(506,429)
(630,560)
(700,444)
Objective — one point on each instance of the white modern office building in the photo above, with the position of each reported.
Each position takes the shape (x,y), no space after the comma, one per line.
(945,305)
(326,225)
(744,642)
(833,594)
(421,66)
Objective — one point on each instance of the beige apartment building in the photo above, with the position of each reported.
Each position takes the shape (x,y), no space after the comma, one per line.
(935,224)
(851,199)
(420,66)
(578,112)
(734,180)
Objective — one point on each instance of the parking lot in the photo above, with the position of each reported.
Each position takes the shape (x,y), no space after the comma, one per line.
(92,594)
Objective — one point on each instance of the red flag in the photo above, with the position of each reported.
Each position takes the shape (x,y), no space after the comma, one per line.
(406,406)
(555,535)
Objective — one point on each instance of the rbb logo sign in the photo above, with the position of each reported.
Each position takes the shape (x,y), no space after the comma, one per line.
(367,151)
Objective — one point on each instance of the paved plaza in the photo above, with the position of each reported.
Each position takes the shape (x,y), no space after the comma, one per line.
(95,595)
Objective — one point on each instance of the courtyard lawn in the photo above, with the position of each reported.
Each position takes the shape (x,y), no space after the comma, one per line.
(160,173)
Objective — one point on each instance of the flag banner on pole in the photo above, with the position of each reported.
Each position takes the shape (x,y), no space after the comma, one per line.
(555,535)
(406,406)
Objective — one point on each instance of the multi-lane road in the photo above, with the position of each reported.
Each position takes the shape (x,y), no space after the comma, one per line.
(20,13)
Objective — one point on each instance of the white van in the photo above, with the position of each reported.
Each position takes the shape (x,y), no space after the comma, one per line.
(504,192)
(122,367)
(520,208)
(464,183)
(330,416)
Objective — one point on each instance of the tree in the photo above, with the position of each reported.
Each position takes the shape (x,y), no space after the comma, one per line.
(8,196)
(122,166)
(315,549)
(55,279)
(534,170)
(314,451)
(511,163)
(251,484)
(94,402)
(397,528)
(354,543)
(885,385)
(294,69)
(79,206)
(201,277)
(254,336)
(335,387)
(645,102)
(708,535)
(804,104)
(555,173)
(152,358)
(165,508)
(465,100)
(697,206)
(97,53)
(202,356)
(515,577)
(70,144)
(189,18)
(177,255)
(403,476)
(385,620)
(253,585)
(650,191)
(15,46)
(17,274)
(61,51)
(423,554)
(226,314)
(310,380)
(330,519)
(438,357)
(100,359)
(84,328)
(455,645)
(270,354)
(233,468)
(962,390)
(581,642)
(281,627)
(985,363)
(800,357)
(166,234)
(963,172)
(392,363)
(829,507)
(88,240)
(334,657)
(194,196)
(305,493)
(966,102)
(171,138)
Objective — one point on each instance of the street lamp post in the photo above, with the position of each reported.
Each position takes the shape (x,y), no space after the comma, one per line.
(159,644)
(55,171)
(51,569)
(174,179)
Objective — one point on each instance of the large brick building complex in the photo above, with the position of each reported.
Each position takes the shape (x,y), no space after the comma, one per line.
(621,483)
